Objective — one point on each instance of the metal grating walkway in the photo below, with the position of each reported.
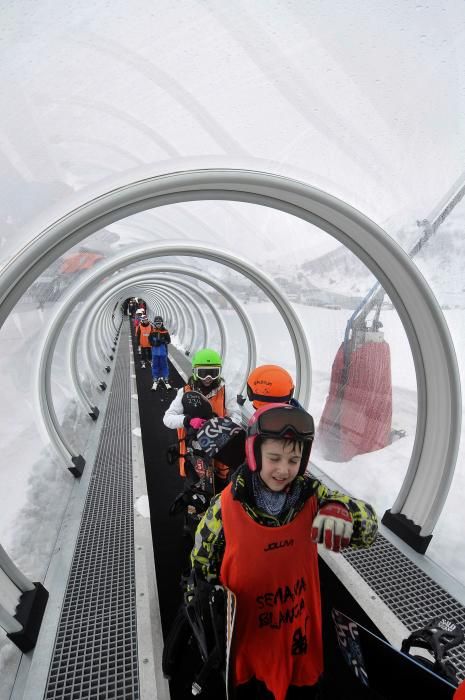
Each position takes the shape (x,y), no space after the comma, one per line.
(95,652)
(410,593)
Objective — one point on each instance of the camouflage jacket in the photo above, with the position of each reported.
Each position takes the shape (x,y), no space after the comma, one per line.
(207,554)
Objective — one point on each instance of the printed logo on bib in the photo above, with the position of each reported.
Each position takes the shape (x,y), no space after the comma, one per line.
(283,607)
(299,641)
(278,545)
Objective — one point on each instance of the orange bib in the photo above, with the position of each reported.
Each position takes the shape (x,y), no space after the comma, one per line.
(217,404)
(274,573)
(144,335)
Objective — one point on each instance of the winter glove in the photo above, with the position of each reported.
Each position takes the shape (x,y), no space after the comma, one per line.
(197,423)
(332,525)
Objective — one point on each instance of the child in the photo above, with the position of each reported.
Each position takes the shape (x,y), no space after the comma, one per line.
(206,378)
(258,538)
(159,340)
(143,332)
(270,384)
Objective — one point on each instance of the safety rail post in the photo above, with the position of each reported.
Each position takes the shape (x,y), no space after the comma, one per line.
(22,604)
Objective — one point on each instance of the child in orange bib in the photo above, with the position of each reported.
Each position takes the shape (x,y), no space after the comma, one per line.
(259,539)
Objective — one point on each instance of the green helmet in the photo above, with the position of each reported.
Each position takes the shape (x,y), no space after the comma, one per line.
(206,357)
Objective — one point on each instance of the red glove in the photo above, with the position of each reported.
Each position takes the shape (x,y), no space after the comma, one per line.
(333,526)
(197,423)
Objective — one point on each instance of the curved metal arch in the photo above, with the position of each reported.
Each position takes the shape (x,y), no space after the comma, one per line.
(214,311)
(219,287)
(90,327)
(438,422)
(191,325)
(84,323)
(164,309)
(170,313)
(176,294)
(45,397)
(149,283)
(90,347)
(171,284)
(222,289)
(95,324)
(138,279)
(103,323)
(161,308)
(102,337)
(12,584)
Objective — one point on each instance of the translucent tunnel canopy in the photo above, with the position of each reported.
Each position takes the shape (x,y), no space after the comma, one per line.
(364,101)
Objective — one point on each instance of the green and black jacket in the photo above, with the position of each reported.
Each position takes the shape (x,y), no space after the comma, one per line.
(208,551)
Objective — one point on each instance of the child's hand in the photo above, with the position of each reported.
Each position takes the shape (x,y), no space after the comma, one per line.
(197,423)
(332,526)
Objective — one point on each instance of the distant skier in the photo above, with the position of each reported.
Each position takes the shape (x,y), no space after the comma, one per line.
(258,538)
(132,307)
(143,332)
(136,319)
(159,341)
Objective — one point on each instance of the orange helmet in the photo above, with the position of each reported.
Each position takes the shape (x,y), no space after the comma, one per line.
(269,384)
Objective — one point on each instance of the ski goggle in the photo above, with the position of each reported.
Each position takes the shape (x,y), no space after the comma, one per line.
(284,422)
(207,372)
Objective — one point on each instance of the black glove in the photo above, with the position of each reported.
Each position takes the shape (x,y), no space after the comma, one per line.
(186,422)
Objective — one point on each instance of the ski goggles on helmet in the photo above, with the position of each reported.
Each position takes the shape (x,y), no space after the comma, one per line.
(283,421)
(207,372)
